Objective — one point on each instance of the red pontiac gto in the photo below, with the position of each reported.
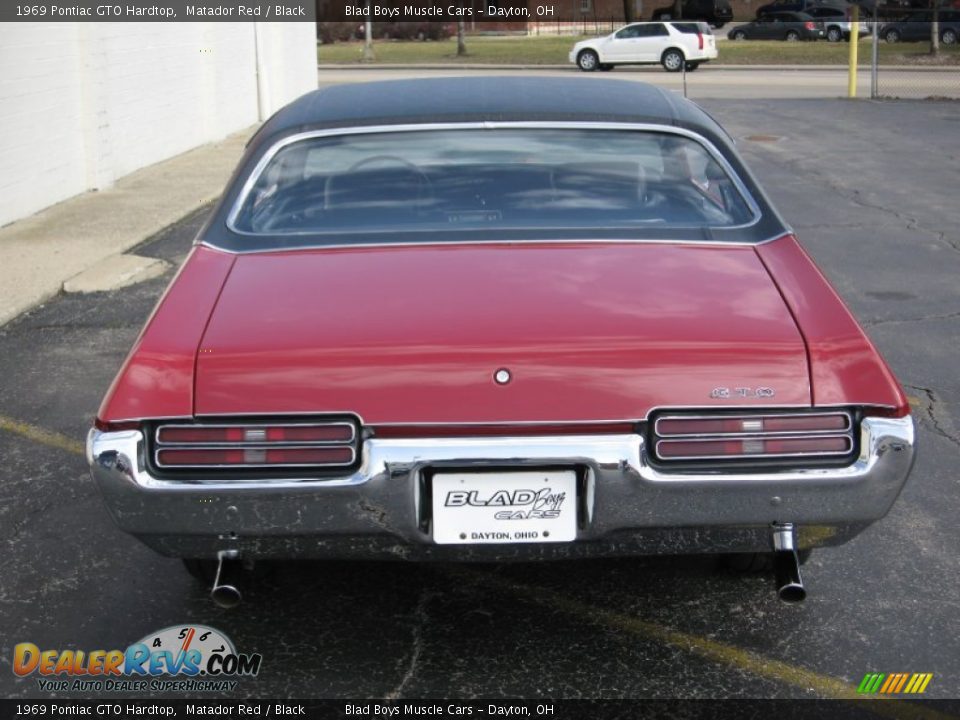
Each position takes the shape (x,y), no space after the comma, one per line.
(497,318)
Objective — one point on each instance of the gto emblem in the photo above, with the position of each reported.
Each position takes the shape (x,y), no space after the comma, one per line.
(723,393)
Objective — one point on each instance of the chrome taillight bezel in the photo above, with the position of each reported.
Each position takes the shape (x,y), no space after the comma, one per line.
(848,433)
(256,447)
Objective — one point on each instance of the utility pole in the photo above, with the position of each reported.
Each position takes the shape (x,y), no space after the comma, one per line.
(368,54)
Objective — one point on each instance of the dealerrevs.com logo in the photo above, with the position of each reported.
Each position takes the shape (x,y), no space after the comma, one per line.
(185,658)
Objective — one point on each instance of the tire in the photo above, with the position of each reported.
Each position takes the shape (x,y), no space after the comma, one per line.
(891,36)
(834,34)
(203,570)
(691,66)
(792,36)
(605,67)
(738,35)
(949,37)
(757,562)
(672,60)
(588,60)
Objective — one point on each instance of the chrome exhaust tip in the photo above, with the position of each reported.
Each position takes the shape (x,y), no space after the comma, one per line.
(226,585)
(786,564)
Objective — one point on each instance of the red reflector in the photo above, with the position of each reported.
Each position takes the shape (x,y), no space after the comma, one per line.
(810,423)
(700,40)
(255,456)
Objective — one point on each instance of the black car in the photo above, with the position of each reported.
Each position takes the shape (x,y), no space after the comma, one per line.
(918,27)
(779,26)
(799,6)
(715,12)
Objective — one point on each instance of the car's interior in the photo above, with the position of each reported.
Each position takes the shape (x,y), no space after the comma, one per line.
(408,190)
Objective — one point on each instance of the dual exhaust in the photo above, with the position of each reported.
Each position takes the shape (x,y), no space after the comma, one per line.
(786,566)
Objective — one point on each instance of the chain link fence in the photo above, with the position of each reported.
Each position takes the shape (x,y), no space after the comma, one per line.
(916,53)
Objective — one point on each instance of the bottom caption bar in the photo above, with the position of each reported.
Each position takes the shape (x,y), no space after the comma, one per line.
(559,709)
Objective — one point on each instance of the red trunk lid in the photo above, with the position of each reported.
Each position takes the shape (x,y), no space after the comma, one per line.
(589,331)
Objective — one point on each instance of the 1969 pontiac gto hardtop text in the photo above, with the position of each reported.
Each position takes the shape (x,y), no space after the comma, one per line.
(497,318)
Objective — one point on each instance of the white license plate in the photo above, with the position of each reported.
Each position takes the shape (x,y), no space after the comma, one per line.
(504,507)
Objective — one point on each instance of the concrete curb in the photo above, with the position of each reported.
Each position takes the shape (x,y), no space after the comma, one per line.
(650,68)
(40,253)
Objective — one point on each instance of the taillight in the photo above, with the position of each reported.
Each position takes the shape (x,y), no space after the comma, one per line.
(700,40)
(750,436)
(810,26)
(283,445)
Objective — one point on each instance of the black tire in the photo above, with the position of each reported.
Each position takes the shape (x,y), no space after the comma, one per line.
(691,66)
(949,37)
(672,60)
(738,35)
(203,570)
(588,60)
(891,36)
(757,562)
(792,36)
(834,34)
(605,67)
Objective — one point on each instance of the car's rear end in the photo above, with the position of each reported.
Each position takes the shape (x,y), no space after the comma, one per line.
(700,44)
(499,339)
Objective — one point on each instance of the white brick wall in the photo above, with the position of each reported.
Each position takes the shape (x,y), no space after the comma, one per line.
(82,104)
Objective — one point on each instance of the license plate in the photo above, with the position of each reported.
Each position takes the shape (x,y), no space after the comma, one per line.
(504,507)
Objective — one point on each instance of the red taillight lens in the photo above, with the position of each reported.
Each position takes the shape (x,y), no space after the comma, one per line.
(753,435)
(254,457)
(674,449)
(257,445)
(700,40)
(810,26)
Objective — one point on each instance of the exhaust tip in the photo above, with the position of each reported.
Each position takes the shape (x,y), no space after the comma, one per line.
(792,593)
(226,596)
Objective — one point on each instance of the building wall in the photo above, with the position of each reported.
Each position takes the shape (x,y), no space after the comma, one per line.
(82,104)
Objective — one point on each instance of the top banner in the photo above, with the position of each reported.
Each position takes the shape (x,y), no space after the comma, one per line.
(474,11)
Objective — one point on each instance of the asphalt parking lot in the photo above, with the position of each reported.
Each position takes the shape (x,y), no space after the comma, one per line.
(871,189)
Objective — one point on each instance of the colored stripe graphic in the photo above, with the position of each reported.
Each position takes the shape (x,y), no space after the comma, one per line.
(894,683)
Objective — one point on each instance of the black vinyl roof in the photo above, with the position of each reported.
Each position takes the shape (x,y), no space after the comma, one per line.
(486,98)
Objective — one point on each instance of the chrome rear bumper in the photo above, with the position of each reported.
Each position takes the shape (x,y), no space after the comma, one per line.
(630,506)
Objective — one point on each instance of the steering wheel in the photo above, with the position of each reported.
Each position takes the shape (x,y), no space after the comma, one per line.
(425,181)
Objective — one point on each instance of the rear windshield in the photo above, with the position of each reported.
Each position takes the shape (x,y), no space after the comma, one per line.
(491,179)
(693,28)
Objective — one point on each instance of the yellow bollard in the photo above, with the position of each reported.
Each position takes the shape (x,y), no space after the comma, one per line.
(854,46)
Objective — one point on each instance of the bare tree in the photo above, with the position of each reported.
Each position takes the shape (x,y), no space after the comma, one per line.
(368,54)
(677,10)
(461,44)
(628,13)
(935,29)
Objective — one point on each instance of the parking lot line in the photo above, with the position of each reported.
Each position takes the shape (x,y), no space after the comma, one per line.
(38,434)
(722,653)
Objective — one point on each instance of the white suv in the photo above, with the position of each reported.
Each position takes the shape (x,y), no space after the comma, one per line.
(674,45)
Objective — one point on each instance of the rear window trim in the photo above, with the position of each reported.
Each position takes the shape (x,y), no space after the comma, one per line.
(284,142)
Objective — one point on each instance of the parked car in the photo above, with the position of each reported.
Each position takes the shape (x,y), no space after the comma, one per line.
(799,6)
(836,22)
(919,27)
(779,26)
(672,44)
(716,13)
(495,318)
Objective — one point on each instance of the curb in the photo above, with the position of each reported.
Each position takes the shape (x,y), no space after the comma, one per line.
(652,68)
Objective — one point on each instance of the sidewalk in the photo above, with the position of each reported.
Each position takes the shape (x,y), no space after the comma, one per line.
(41,253)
